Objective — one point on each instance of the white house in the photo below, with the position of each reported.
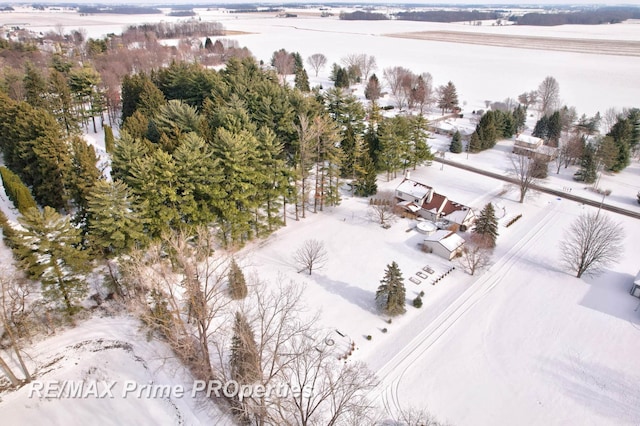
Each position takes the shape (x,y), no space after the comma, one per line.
(635,288)
(446,244)
(532,146)
(422,200)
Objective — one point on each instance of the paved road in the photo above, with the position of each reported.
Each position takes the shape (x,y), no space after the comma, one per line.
(555,192)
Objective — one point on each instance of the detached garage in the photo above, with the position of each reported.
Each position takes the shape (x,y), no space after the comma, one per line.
(446,244)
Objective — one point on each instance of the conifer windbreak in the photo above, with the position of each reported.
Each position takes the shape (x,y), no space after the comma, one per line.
(17,191)
(487,225)
(391,293)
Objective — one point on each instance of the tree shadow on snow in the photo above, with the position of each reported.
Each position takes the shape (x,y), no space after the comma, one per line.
(610,293)
(598,388)
(364,299)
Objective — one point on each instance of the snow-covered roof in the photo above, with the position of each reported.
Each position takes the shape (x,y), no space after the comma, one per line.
(450,240)
(409,205)
(413,188)
(530,141)
(458,216)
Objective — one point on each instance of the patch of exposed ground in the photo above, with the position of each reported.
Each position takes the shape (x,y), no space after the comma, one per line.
(576,45)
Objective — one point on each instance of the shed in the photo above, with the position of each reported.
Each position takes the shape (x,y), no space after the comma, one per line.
(446,244)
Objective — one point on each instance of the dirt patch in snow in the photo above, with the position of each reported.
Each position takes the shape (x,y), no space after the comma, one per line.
(575,45)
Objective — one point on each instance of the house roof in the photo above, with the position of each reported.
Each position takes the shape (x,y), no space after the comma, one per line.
(450,240)
(413,188)
(436,203)
(637,280)
(528,139)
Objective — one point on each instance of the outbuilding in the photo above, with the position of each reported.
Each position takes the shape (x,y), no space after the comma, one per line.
(446,244)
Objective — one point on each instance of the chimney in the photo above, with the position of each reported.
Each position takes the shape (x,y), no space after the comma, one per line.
(408,175)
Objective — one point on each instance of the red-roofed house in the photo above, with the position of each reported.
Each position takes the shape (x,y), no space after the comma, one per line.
(423,201)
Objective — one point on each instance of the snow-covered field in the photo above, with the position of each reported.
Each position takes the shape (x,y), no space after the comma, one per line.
(523,343)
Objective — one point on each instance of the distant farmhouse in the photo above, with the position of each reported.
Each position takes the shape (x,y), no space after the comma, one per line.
(532,146)
(422,201)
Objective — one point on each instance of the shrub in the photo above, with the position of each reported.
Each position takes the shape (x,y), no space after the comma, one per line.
(389,321)
(417,302)
(384,330)
(422,294)
(369,337)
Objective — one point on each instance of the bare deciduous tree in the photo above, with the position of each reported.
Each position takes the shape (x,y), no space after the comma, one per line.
(415,416)
(548,95)
(182,295)
(312,255)
(523,170)
(317,61)
(13,299)
(381,208)
(592,242)
(368,66)
(396,77)
(476,254)
(528,98)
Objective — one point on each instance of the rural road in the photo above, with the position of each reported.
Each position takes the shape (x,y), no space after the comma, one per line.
(562,194)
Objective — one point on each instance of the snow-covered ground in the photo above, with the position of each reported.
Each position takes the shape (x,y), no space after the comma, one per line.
(523,343)
(105,351)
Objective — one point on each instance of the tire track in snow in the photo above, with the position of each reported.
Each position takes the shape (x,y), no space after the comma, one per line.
(391,374)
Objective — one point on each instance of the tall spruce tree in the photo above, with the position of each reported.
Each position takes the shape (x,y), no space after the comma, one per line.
(49,249)
(390,296)
(109,140)
(244,359)
(84,175)
(487,225)
(114,218)
(237,282)
(588,171)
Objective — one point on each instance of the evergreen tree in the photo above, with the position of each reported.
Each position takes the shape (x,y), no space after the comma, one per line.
(49,249)
(372,91)
(475,144)
(366,177)
(17,191)
(390,296)
(126,151)
(448,97)
(301,80)
(114,218)
(35,86)
(487,225)
(342,78)
(588,171)
(420,150)
(154,180)
(622,134)
(84,175)
(519,118)
(235,208)
(208,44)
(541,129)
(244,359)
(109,140)
(456,143)
(197,181)
(237,283)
